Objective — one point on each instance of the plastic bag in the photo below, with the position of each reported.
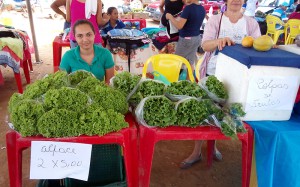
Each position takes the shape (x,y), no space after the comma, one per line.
(213,96)
(124,81)
(145,88)
(186,88)
(77,76)
(158,110)
(228,127)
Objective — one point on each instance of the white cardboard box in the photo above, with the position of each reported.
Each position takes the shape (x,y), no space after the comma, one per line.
(266,92)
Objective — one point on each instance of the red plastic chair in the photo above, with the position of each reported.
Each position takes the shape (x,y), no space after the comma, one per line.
(127,138)
(57,45)
(149,136)
(24,65)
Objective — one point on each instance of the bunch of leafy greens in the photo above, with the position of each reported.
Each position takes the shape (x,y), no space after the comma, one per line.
(14,101)
(25,115)
(191,112)
(216,87)
(228,127)
(66,98)
(236,109)
(109,98)
(147,88)
(214,109)
(58,123)
(40,87)
(159,112)
(96,120)
(125,82)
(187,88)
(89,84)
(77,76)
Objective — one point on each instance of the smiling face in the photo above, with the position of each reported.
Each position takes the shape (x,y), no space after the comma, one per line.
(234,5)
(84,36)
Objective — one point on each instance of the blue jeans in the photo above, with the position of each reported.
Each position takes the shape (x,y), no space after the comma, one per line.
(67,25)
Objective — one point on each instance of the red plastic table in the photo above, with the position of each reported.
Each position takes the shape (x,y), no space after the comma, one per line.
(127,138)
(149,136)
(57,45)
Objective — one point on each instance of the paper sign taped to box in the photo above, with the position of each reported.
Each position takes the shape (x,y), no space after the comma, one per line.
(57,160)
(271,93)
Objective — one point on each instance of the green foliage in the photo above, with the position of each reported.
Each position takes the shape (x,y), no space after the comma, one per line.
(147,88)
(24,117)
(77,76)
(109,98)
(125,82)
(40,87)
(66,98)
(58,123)
(89,84)
(187,88)
(57,80)
(191,112)
(14,101)
(236,109)
(213,109)
(98,121)
(216,87)
(36,89)
(159,112)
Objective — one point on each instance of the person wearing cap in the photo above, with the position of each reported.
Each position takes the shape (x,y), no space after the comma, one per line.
(280,12)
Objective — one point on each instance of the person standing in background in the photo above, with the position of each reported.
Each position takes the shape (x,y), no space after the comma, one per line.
(296,14)
(251,6)
(172,7)
(189,24)
(55,7)
(76,10)
(293,6)
(222,30)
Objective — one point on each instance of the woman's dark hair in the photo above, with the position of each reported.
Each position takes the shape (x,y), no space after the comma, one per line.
(110,10)
(82,22)
(297,8)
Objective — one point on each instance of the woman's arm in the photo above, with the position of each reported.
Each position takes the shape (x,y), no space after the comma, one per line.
(109,73)
(99,13)
(177,22)
(68,11)
(220,43)
(161,6)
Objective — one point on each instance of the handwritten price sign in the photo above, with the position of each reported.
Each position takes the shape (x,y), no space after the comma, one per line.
(271,93)
(57,160)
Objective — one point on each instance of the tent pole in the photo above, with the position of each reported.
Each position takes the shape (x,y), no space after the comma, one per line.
(29,11)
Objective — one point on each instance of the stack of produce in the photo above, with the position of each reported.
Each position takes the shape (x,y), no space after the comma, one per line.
(62,105)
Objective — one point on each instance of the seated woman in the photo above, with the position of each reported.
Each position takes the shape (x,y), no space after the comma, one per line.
(88,56)
(113,21)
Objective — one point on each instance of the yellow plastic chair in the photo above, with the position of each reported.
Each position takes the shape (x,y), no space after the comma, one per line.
(271,24)
(198,66)
(292,30)
(168,65)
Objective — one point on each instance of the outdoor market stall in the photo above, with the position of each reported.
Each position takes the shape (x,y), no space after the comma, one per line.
(266,83)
